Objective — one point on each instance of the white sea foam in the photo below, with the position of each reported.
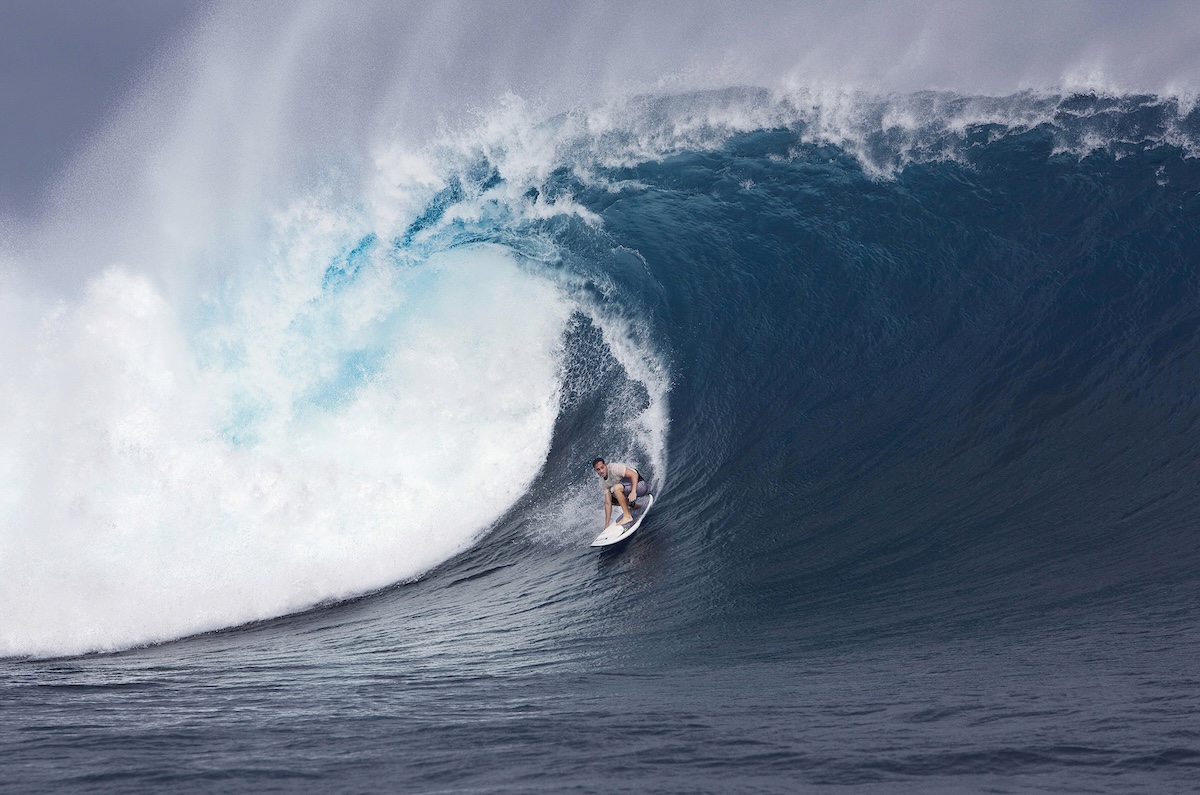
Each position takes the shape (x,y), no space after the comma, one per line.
(164,480)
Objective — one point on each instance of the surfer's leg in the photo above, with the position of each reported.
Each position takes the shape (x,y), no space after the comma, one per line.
(619,492)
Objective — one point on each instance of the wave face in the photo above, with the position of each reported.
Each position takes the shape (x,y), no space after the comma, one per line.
(931,376)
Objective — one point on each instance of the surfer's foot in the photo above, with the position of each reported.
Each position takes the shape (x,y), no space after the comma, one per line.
(625,520)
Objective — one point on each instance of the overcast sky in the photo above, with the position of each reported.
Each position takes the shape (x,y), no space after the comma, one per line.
(63,65)
(67,65)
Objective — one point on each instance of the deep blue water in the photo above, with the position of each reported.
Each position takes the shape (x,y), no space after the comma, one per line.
(929,522)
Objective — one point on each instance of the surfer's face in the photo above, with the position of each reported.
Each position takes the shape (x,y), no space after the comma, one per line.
(601,470)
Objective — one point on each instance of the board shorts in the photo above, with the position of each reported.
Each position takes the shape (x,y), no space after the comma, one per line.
(643,487)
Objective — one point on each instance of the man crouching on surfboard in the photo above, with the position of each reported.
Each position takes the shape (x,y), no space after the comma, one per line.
(619,480)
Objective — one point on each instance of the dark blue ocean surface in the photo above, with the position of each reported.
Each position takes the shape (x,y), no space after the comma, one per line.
(929,522)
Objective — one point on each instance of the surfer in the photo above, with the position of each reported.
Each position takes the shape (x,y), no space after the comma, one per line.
(623,482)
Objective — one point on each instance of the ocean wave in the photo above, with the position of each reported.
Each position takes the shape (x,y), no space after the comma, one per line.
(276,393)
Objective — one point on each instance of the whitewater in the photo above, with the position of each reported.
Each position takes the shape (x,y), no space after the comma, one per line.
(304,364)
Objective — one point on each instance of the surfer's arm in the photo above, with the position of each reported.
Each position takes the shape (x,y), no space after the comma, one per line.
(633,481)
(607,507)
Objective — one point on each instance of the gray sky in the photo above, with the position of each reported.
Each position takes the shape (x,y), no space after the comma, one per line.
(66,66)
(63,66)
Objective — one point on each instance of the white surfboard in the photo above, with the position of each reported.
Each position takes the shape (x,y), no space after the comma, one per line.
(615,533)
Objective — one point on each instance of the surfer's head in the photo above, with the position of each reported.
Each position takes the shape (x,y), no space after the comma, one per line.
(601,467)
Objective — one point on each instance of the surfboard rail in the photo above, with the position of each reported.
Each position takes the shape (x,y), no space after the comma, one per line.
(615,533)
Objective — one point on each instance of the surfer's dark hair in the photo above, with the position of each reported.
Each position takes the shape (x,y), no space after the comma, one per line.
(599,461)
